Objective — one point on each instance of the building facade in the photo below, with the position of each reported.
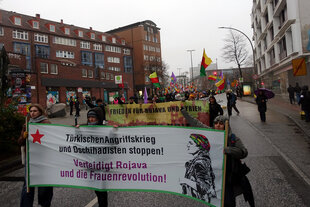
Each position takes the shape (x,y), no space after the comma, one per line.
(55,60)
(144,38)
(282,37)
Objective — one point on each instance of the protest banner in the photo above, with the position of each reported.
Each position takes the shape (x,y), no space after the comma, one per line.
(167,113)
(147,158)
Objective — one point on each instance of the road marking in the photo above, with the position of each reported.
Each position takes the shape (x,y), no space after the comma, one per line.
(92,203)
(286,158)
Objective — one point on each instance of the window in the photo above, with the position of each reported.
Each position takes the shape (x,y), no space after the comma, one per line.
(54,69)
(52,28)
(42,51)
(87,58)
(110,48)
(146,47)
(128,64)
(99,60)
(111,76)
(103,38)
(117,69)
(98,47)
(44,67)
(1,31)
(64,54)
(113,40)
(146,57)
(84,73)
(17,21)
(157,49)
(123,42)
(113,60)
(85,45)
(92,36)
(40,38)
(126,51)
(102,75)
(158,59)
(152,49)
(90,74)
(107,76)
(22,48)
(67,31)
(80,33)
(18,34)
(152,58)
(64,41)
(35,24)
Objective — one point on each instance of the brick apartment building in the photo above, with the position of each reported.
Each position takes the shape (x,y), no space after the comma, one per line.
(51,61)
(144,38)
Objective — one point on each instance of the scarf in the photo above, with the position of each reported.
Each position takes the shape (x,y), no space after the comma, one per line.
(38,119)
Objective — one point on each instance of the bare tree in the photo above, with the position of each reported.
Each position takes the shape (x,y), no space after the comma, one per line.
(235,50)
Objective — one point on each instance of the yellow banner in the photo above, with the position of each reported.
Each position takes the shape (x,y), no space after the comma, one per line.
(167,113)
(299,67)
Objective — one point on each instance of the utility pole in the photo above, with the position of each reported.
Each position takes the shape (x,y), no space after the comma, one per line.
(191,64)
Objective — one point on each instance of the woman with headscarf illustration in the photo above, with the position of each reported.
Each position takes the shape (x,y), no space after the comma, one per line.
(199,176)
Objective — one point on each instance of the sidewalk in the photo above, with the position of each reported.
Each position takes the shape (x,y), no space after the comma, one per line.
(15,163)
(282,105)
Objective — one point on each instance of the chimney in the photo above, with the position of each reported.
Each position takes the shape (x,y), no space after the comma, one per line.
(61,21)
(38,16)
(90,28)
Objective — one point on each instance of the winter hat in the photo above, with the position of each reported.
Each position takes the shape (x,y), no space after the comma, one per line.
(221,118)
(201,141)
(92,114)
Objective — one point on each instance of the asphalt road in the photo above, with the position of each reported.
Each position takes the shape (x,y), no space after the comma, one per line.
(278,158)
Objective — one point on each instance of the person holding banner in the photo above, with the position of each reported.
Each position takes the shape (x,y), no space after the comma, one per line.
(236,182)
(95,117)
(45,194)
(215,109)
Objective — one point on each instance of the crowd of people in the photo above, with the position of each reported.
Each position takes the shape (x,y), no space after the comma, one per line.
(96,116)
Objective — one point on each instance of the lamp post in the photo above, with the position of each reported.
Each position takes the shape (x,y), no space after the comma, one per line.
(254,65)
(191,64)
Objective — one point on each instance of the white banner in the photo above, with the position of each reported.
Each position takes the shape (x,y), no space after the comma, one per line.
(152,158)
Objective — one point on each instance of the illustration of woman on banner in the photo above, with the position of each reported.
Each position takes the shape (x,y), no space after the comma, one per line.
(199,176)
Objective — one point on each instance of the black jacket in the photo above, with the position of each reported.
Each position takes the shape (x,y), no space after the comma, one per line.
(261,103)
(215,110)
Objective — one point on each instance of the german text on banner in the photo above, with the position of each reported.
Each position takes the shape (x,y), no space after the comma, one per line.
(167,113)
(159,159)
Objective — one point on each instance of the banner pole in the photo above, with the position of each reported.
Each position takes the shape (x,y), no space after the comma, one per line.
(225,159)
(26,162)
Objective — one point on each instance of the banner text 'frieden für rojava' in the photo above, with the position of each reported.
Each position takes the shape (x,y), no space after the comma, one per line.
(165,158)
(167,113)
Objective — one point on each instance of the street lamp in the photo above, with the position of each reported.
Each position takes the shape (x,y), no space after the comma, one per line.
(191,64)
(254,65)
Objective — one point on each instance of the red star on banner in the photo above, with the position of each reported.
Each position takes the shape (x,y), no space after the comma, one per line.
(37,137)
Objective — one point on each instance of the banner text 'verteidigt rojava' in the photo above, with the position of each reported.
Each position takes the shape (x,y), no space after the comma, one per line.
(155,158)
(167,113)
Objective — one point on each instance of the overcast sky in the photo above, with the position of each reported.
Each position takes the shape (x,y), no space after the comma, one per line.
(184,24)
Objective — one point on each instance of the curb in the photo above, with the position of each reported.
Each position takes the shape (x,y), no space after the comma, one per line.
(290,117)
(10,165)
